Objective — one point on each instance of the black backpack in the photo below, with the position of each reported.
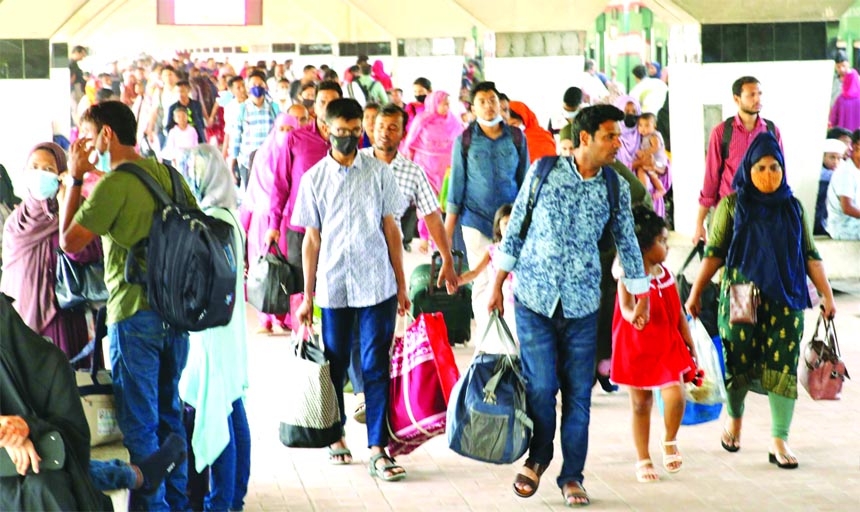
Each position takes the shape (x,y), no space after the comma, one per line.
(544,166)
(190,276)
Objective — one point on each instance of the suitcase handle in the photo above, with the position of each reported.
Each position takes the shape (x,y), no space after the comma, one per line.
(436,264)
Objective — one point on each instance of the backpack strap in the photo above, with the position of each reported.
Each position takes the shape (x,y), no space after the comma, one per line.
(728,131)
(517,135)
(466,142)
(176,180)
(770,126)
(157,191)
(544,166)
(607,240)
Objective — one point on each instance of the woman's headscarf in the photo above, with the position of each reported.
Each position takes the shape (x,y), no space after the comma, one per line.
(270,160)
(851,85)
(28,243)
(207,175)
(630,138)
(658,67)
(449,125)
(767,244)
(378,73)
(540,142)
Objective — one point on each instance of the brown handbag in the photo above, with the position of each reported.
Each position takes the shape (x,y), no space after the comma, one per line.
(821,370)
(744,300)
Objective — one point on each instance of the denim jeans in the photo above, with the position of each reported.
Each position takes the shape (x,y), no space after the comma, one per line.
(147,358)
(558,353)
(376,332)
(354,369)
(228,476)
(108,475)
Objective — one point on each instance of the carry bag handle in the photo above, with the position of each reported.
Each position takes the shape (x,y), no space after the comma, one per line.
(299,339)
(698,249)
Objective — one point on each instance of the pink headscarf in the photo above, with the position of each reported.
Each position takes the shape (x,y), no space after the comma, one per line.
(270,160)
(851,85)
(30,237)
(431,137)
(449,125)
(378,73)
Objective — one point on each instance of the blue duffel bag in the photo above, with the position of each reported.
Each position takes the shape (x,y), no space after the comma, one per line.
(487,418)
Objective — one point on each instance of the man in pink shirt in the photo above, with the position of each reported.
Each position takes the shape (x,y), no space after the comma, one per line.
(719,171)
(304,147)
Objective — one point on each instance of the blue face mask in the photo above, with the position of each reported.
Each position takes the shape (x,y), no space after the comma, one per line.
(104,162)
(258,91)
(492,122)
(42,184)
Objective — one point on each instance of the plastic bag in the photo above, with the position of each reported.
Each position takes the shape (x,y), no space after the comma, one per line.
(713,388)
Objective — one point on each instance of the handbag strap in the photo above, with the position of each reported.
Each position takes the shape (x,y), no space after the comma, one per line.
(699,250)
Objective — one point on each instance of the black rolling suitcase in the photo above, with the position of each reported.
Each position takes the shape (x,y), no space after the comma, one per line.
(427,298)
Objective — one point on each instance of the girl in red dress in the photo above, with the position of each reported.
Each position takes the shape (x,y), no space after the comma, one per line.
(653,355)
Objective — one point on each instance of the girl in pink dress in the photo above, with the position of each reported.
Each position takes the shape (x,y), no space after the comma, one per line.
(654,355)
(500,227)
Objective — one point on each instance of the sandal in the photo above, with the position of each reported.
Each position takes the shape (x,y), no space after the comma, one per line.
(387,468)
(645,472)
(783,460)
(344,453)
(730,442)
(522,479)
(574,490)
(360,413)
(672,458)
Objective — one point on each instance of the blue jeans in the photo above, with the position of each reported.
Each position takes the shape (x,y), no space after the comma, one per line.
(108,475)
(558,353)
(354,370)
(376,332)
(228,476)
(147,358)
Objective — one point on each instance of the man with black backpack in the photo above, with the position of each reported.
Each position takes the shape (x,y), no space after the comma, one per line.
(488,165)
(728,144)
(147,355)
(564,215)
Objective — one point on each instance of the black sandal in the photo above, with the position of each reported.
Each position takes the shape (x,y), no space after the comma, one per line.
(522,479)
(733,444)
(388,467)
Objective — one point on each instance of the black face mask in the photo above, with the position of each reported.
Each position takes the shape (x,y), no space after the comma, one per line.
(420,98)
(308,103)
(345,145)
(630,120)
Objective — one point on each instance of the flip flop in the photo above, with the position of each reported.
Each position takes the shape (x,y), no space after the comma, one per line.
(339,452)
(782,460)
(734,443)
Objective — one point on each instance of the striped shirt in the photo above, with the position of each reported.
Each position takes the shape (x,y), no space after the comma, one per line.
(251,129)
(717,187)
(347,205)
(413,184)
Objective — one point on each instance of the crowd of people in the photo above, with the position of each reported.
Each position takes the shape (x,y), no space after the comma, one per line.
(341,174)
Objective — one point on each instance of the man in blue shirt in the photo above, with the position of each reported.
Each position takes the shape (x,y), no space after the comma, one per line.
(557,291)
(495,163)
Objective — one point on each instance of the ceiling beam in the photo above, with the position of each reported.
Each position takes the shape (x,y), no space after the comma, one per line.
(315,21)
(379,25)
(470,15)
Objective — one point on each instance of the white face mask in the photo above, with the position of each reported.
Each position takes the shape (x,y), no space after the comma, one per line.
(492,122)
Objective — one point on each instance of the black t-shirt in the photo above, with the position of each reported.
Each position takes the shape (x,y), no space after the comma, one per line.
(76,74)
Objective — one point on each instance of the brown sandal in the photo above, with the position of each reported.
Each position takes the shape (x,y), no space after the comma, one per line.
(522,479)
(573,490)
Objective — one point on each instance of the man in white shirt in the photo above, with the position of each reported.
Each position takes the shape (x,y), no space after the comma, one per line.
(843,196)
(231,117)
(651,92)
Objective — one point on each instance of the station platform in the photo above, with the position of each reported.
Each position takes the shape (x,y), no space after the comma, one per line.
(824,436)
